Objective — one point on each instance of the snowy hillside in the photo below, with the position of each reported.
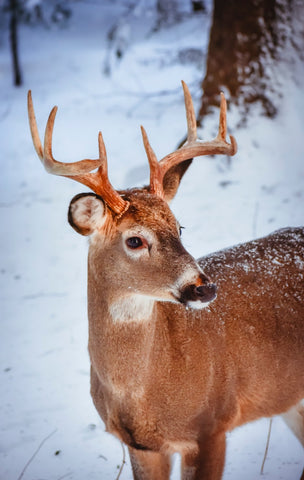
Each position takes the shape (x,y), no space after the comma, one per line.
(49,427)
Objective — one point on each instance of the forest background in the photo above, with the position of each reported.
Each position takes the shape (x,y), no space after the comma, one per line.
(114,65)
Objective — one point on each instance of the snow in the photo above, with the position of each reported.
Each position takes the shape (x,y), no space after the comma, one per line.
(49,427)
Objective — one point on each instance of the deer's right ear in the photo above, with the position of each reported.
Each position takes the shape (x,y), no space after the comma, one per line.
(87,213)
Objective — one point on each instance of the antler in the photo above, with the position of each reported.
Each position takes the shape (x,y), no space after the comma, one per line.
(193,147)
(97,181)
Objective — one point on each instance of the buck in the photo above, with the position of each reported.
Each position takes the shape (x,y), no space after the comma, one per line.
(168,375)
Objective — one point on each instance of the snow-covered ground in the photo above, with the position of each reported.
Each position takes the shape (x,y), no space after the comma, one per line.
(49,427)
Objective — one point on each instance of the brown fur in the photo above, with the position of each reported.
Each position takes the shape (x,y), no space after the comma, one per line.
(166,377)
(180,379)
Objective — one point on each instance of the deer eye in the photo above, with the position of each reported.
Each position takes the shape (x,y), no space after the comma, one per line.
(134,242)
(180,230)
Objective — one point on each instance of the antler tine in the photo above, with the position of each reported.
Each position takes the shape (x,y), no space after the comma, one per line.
(45,154)
(100,184)
(49,162)
(102,153)
(33,126)
(80,171)
(222,132)
(190,114)
(104,187)
(155,171)
(60,168)
(153,162)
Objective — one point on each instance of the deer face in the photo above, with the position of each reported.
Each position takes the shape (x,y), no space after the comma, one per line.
(139,254)
(135,248)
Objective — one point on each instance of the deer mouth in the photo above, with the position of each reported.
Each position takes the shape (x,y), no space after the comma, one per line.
(198,297)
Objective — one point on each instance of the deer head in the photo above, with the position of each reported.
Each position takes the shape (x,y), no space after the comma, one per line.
(135,246)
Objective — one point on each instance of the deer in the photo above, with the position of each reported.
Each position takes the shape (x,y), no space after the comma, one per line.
(182,351)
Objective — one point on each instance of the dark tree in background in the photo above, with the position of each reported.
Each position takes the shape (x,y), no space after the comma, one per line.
(248,39)
(13,33)
(32,13)
(170,12)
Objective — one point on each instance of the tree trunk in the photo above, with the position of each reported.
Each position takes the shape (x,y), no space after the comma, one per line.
(247,40)
(14,42)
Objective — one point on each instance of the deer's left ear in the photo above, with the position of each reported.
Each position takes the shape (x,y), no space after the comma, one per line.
(87,213)
(173,178)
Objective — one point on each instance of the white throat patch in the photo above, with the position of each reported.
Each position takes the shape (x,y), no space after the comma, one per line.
(136,308)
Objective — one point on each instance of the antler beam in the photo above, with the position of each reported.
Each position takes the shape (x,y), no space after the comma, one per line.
(80,171)
(193,147)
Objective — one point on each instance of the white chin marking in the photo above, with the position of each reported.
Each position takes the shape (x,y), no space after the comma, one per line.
(197,305)
(136,308)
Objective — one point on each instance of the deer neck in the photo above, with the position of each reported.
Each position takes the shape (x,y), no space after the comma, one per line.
(132,308)
(120,334)
(129,308)
(114,314)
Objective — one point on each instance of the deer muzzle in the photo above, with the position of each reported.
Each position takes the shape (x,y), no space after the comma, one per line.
(198,295)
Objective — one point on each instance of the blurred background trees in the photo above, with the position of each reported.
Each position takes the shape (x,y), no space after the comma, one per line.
(248,41)
(32,12)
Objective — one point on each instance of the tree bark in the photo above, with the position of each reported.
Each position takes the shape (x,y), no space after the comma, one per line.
(14,42)
(247,39)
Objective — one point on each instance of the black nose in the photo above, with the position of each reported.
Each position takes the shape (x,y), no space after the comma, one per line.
(203,293)
(206,293)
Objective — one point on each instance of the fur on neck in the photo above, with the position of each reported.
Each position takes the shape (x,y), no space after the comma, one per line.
(135,308)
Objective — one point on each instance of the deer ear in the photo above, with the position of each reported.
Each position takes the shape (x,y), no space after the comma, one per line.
(173,178)
(86,213)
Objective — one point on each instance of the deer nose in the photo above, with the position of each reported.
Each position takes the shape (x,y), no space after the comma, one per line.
(195,295)
(205,293)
